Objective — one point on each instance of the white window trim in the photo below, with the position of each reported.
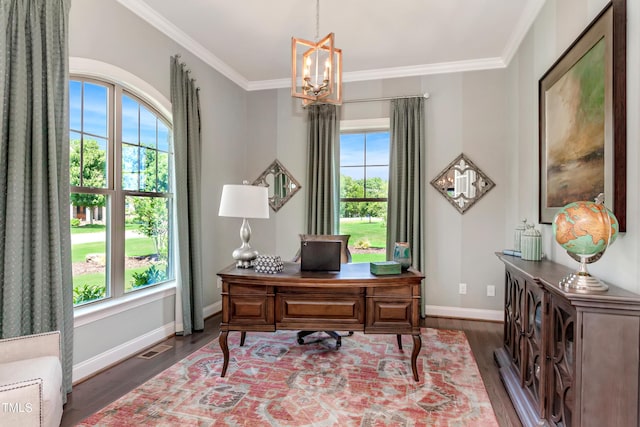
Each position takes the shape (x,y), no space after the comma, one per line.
(89,313)
(105,308)
(382,123)
(131,82)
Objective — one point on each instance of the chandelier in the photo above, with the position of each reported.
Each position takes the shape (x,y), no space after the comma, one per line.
(316,68)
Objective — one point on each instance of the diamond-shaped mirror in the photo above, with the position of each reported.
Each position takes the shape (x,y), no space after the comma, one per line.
(281,184)
(462,183)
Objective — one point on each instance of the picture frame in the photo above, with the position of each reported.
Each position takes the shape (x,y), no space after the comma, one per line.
(582,119)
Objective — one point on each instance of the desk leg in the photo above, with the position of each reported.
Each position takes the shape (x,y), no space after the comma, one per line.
(417,345)
(225,351)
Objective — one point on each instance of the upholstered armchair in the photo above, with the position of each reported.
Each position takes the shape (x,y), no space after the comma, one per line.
(31,380)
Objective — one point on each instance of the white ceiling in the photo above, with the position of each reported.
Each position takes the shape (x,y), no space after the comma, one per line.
(249,41)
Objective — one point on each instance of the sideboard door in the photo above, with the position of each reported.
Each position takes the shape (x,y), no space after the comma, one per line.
(561,375)
(533,354)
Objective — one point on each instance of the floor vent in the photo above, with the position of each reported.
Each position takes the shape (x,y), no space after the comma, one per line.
(154,351)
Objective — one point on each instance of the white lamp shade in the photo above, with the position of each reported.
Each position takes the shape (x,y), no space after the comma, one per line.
(244,201)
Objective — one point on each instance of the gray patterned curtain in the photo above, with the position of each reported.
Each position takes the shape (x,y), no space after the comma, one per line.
(322,173)
(185,105)
(36,292)
(406,221)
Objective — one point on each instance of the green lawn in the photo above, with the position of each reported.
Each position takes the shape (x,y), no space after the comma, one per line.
(368,257)
(98,228)
(137,246)
(375,232)
(89,228)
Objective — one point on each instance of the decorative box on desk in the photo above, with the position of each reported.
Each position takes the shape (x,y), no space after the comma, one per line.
(381,268)
(568,356)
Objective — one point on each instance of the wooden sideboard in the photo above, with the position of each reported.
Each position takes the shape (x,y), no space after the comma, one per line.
(568,359)
(351,299)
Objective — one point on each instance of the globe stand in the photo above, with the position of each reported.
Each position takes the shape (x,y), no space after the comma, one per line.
(581,281)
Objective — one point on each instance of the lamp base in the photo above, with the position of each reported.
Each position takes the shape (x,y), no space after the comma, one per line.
(583,283)
(244,256)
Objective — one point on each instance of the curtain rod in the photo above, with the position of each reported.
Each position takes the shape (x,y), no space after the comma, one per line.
(424,95)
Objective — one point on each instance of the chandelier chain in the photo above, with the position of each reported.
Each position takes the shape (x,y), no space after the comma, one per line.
(317,20)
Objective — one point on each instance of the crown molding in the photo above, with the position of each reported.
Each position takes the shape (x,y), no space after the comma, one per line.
(145,12)
(396,72)
(525,22)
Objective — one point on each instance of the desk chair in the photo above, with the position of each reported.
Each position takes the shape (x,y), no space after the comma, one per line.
(344,259)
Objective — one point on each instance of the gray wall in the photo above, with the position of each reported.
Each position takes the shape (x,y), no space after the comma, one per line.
(465,113)
(108,32)
(557,25)
(491,116)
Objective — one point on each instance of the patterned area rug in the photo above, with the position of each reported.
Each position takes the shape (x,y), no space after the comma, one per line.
(273,381)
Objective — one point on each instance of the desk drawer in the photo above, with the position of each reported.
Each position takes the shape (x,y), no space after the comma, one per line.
(244,310)
(320,309)
(389,313)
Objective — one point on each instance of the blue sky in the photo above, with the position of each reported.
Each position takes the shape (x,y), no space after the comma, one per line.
(358,149)
(134,116)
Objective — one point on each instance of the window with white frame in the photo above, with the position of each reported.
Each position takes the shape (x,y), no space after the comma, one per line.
(121,166)
(364,186)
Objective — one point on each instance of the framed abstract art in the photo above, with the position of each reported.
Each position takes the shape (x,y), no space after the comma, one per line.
(582,119)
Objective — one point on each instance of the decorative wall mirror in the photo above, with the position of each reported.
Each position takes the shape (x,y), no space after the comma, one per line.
(462,183)
(281,184)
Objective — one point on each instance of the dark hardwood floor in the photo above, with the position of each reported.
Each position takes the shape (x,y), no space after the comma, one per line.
(97,392)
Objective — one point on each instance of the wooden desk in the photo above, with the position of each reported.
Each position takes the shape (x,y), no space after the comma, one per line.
(351,299)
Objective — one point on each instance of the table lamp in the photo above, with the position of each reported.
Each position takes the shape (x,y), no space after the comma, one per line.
(244,201)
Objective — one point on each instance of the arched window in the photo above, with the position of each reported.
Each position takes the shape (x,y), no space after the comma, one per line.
(121,171)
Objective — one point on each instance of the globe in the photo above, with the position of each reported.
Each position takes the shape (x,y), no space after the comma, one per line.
(585,228)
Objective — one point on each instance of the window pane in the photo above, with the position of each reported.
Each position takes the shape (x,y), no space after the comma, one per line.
(163,172)
(377,184)
(378,148)
(89,233)
(367,225)
(129,120)
(351,182)
(74,158)
(148,170)
(147,128)
(147,245)
(164,137)
(75,105)
(94,162)
(352,149)
(130,167)
(95,116)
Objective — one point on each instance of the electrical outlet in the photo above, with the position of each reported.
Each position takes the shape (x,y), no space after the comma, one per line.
(491,291)
(463,288)
(219,283)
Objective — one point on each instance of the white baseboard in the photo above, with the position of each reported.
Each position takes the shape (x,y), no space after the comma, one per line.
(212,309)
(97,363)
(464,313)
(92,366)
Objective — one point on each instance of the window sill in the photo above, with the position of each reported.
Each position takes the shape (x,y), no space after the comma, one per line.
(94,312)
